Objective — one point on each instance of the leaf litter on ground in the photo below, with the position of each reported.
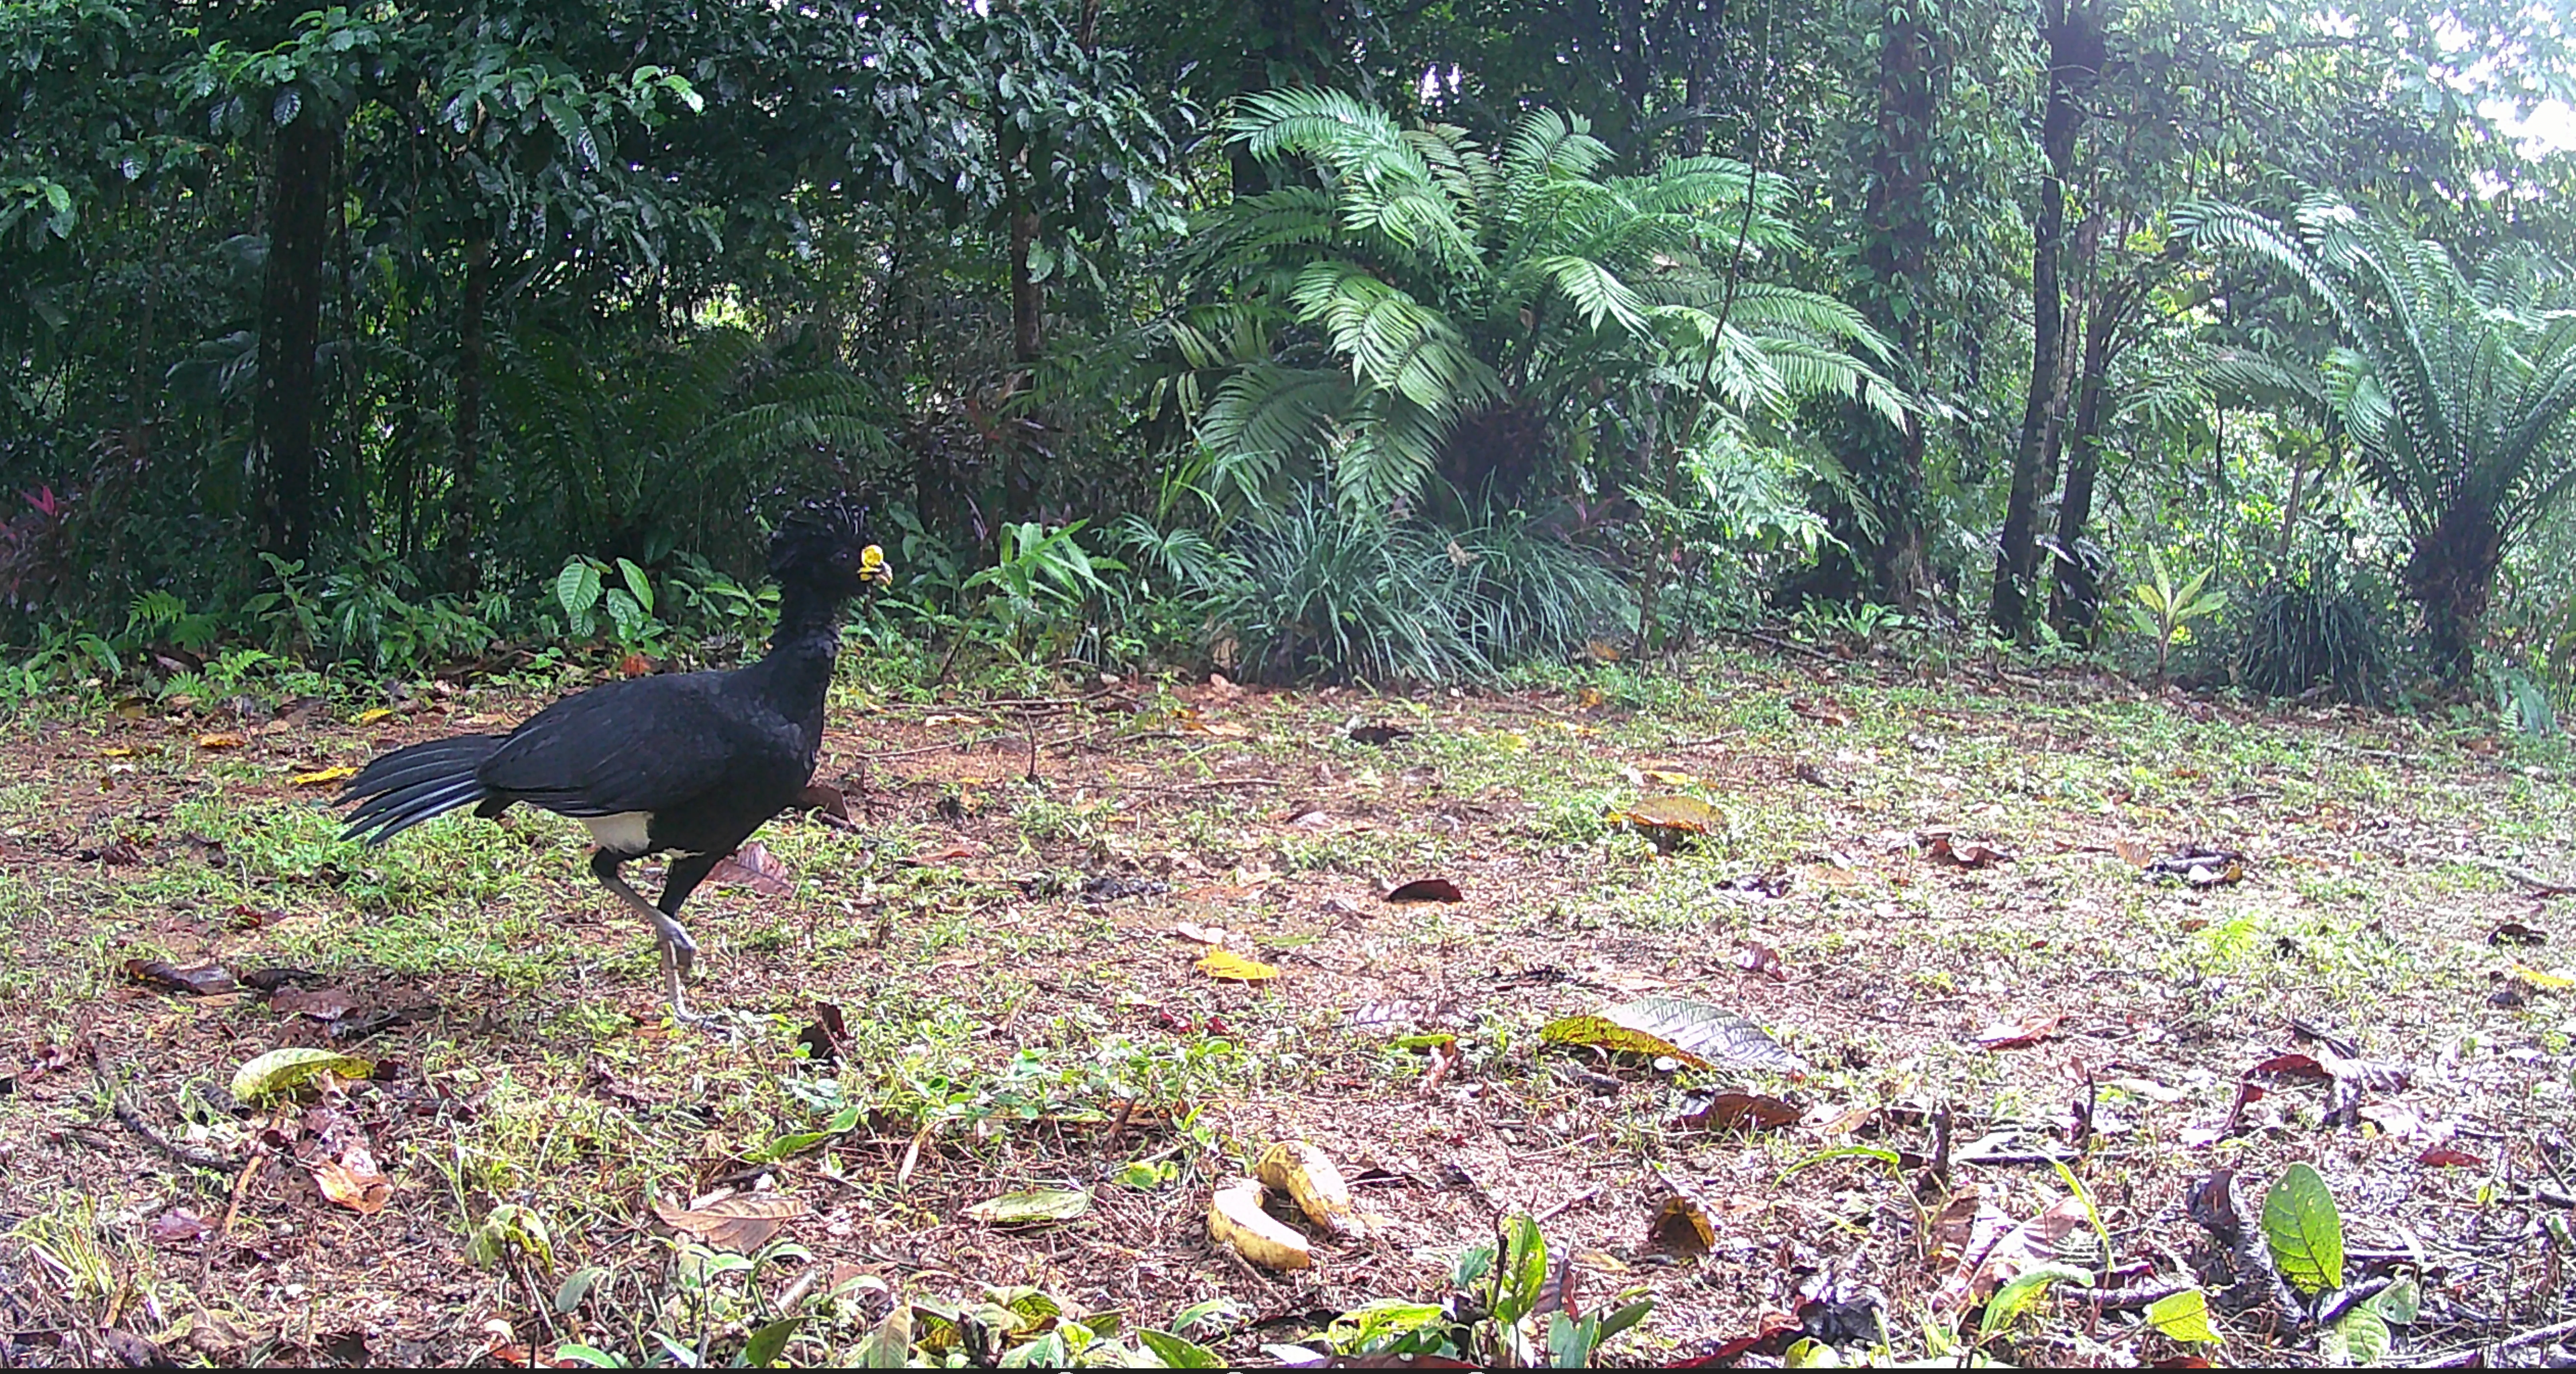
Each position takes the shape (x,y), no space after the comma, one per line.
(1699,1034)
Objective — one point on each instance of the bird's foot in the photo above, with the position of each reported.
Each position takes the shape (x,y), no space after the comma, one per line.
(730,1025)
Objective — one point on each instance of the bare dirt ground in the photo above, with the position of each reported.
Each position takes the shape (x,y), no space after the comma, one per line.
(1930,893)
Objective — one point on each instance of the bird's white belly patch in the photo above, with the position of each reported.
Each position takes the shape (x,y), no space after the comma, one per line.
(627,832)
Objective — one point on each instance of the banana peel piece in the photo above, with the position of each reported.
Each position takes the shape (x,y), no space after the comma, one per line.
(1308,1175)
(1235,1220)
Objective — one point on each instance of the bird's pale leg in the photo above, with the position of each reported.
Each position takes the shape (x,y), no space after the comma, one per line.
(679,952)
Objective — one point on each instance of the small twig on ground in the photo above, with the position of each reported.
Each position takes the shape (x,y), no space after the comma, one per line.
(2541,887)
(133,1121)
(936,748)
(1566,1206)
(2127,1299)
(2537,1336)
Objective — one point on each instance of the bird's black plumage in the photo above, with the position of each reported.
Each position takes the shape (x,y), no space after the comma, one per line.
(685,763)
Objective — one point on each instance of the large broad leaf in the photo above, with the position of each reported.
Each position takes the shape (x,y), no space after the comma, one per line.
(1697,1033)
(280,1072)
(1177,1352)
(769,1342)
(2014,1298)
(1033,1205)
(2183,1316)
(2360,1340)
(2304,1231)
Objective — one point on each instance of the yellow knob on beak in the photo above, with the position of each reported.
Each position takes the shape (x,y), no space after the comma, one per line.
(872,566)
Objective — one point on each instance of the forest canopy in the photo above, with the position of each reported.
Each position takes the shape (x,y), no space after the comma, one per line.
(1297,339)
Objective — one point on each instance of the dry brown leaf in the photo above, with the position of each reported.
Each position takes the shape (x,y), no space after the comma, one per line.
(744,1222)
(321,1004)
(2133,853)
(352,1181)
(1823,711)
(203,980)
(2022,1034)
(1946,847)
(754,867)
(1735,1111)
(1427,890)
(1681,1225)
(965,849)
(2034,1242)
(224,741)
(1236,1221)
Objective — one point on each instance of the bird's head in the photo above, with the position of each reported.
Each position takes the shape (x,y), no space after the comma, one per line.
(826,544)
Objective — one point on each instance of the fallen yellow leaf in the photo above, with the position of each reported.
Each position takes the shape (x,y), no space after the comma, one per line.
(324,777)
(220,741)
(371,717)
(1234,968)
(2543,979)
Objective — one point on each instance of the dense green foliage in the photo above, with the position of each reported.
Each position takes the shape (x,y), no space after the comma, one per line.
(1288,339)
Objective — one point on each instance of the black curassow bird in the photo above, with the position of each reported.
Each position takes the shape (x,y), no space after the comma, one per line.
(685,763)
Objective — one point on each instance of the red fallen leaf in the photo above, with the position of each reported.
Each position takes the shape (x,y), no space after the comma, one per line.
(951,854)
(2439,1158)
(1734,1111)
(1773,1333)
(1945,847)
(2293,1066)
(2023,1034)
(178,1226)
(1427,890)
(829,800)
(204,980)
(635,665)
(823,1039)
(754,867)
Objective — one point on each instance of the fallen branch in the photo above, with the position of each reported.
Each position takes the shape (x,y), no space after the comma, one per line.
(1568,1205)
(133,1121)
(2538,1335)
(2541,887)
(2127,1299)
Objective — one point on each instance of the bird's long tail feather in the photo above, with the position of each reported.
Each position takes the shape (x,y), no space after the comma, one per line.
(408,786)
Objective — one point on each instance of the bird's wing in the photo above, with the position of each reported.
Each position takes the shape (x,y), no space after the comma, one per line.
(646,744)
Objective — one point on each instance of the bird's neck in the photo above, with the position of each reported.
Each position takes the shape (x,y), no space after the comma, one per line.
(801,652)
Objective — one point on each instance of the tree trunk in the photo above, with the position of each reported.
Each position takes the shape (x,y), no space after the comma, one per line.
(1897,235)
(290,334)
(2450,575)
(2017,559)
(461,569)
(1028,296)
(2075,592)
